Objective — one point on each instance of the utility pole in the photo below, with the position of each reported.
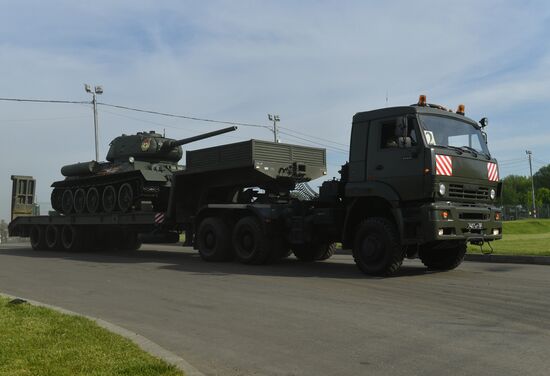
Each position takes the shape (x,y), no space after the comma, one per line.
(529,153)
(98,90)
(275,119)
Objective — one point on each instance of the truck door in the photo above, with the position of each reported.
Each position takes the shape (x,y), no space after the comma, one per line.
(395,156)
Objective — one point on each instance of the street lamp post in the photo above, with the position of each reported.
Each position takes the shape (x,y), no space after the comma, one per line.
(275,119)
(98,90)
(529,153)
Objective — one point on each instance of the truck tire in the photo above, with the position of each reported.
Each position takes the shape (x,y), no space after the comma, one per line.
(441,257)
(314,251)
(73,238)
(214,240)
(376,249)
(53,237)
(37,237)
(251,245)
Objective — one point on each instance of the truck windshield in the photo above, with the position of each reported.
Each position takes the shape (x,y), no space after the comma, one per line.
(445,131)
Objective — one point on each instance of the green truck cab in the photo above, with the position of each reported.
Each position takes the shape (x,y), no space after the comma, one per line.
(420,177)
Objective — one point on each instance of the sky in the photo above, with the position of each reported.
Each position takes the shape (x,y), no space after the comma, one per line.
(314,63)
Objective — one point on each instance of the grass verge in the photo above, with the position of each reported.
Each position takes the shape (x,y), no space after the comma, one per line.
(39,341)
(523,237)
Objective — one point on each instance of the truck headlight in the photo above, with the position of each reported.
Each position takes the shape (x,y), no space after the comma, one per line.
(492,194)
(442,189)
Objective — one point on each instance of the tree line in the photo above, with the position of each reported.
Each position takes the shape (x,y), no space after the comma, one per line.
(516,189)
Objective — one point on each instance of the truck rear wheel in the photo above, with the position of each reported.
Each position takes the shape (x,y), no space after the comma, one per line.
(250,243)
(38,238)
(441,256)
(314,251)
(377,250)
(53,237)
(214,240)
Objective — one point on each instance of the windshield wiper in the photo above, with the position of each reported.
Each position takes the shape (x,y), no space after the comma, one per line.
(455,148)
(476,152)
(471,150)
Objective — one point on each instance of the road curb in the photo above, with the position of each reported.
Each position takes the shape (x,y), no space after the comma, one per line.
(144,343)
(506,259)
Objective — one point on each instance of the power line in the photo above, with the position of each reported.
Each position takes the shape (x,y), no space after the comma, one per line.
(304,137)
(42,101)
(311,136)
(183,116)
(332,148)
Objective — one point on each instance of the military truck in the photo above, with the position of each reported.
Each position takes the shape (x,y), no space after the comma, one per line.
(420,182)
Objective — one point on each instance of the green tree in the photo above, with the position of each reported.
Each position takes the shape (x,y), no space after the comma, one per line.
(515,190)
(542,177)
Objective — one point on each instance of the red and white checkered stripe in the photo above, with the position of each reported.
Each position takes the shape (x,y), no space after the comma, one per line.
(159,217)
(492,171)
(443,165)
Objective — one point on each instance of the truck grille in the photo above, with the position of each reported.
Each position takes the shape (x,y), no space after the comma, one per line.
(470,193)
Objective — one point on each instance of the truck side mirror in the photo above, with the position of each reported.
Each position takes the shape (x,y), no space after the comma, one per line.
(484,134)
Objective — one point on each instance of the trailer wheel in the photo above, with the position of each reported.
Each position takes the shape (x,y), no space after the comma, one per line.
(314,251)
(129,241)
(73,239)
(38,238)
(92,200)
(79,200)
(125,197)
(214,240)
(376,249)
(250,244)
(53,237)
(67,202)
(108,199)
(440,256)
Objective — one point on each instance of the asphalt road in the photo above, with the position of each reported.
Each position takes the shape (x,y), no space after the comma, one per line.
(303,319)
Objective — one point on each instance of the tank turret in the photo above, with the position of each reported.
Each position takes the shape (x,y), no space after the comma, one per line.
(137,172)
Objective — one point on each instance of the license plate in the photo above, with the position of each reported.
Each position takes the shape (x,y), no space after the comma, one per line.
(475,226)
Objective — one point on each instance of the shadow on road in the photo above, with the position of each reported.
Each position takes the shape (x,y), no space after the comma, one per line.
(187,260)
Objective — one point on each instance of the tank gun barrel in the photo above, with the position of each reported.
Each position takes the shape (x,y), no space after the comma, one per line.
(173,144)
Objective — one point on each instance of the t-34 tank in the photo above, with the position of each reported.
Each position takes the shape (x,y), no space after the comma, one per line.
(137,174)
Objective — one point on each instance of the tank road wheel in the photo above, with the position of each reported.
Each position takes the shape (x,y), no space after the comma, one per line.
(92,200)
(108,199)
(314,251)
(376,249)
(125,197)
(38,238)
(79,200)
(53,237)
(67,202)
(73,239)
(55,199)
(214,240)
(442,256)
(251,245)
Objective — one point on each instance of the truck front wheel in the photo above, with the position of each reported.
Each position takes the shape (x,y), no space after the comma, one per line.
(214,240)
(443,255)
(377,250)
(314,251)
